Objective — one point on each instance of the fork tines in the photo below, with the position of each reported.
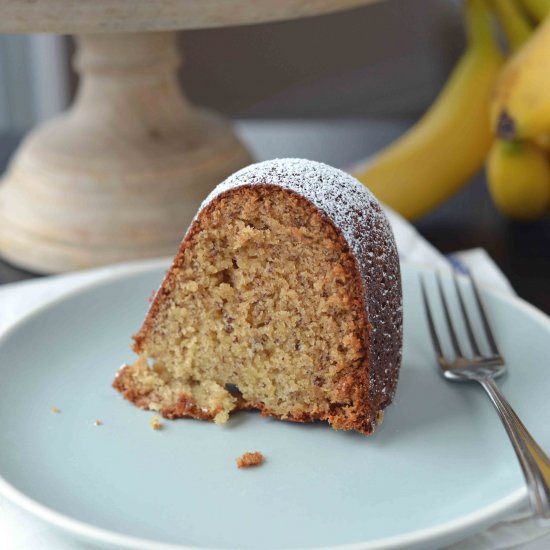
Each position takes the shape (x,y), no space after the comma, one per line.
(451,327)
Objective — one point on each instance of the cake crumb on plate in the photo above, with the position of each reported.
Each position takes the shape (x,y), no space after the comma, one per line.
(98,423)
(155,423)
(250,459)
(55,410)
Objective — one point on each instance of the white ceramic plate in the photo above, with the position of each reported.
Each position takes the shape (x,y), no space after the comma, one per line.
(439,468)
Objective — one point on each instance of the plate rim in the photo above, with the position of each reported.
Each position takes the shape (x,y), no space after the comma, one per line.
(485,516)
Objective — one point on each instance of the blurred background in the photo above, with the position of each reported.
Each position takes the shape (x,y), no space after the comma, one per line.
(334,88)
(383,60)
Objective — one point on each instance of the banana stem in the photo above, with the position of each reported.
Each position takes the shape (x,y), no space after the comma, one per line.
(516,27)
(479,24)
(537,9)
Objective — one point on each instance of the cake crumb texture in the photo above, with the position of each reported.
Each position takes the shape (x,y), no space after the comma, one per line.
(250,459)
(155,423)
(268,307)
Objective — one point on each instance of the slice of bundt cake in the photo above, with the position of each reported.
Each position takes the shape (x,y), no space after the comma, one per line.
(285,296)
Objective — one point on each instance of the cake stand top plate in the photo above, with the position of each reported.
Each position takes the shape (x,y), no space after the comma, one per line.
(101,16)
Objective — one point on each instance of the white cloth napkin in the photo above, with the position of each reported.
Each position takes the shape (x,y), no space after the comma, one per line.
(20,531)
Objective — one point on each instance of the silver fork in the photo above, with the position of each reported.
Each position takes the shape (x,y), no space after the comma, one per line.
(484,369)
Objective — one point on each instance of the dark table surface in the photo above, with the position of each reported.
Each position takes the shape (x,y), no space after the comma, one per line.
(468,220)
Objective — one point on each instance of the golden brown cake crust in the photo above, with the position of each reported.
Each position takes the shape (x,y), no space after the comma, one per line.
(377,279)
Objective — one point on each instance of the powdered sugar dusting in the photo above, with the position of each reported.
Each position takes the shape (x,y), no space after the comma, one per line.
(357,214)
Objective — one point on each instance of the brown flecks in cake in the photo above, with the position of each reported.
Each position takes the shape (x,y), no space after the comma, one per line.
(55,410)
(250,459)
(155,423)
(356,213)
(98,423)
(223,321)
(287,286)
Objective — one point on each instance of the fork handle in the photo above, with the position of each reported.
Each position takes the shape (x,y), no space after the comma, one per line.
(534,461)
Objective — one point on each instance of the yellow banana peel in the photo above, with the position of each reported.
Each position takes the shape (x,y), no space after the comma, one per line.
(537,9)
(517,28)
(543,142)
(518,175)
(449,144)
(520,108)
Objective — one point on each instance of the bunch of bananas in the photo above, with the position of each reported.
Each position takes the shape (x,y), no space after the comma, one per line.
(493,110)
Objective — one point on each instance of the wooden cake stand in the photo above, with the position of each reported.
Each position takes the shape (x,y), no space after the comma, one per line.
(121,173)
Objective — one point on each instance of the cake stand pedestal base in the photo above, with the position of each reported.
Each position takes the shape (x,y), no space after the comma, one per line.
(120,175)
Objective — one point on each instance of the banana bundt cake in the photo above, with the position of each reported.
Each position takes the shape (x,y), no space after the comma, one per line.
(285,296)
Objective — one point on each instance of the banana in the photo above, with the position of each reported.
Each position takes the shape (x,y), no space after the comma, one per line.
(537,9)
(516,27)
(543,142)
(520,108)
(518,174)
(449,143)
